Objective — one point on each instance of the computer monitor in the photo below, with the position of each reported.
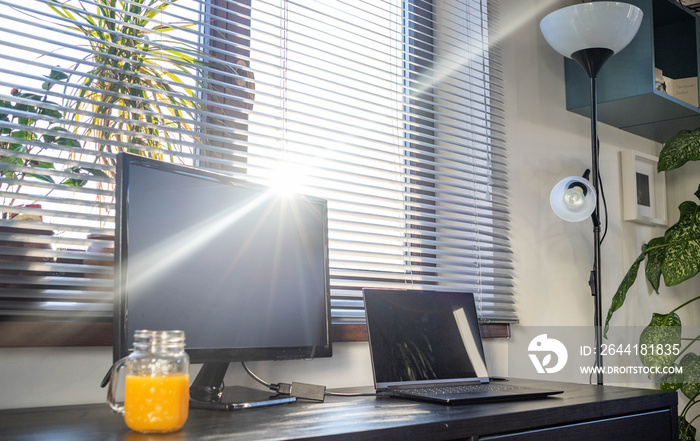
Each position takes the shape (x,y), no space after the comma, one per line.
(242,269)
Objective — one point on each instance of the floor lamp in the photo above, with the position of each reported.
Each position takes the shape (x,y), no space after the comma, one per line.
(589,33)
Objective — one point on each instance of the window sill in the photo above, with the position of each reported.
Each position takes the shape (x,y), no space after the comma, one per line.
(358,332)
(17,334)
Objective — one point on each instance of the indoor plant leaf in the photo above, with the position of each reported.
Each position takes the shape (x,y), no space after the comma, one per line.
(664,330)
(50,137)
(682,255)
(75,182)
(45,178)
(619,298)
(691,375)
(51,112)
(96,172)
(43,164)
(22,134)
(655,259)
(4,104)
(683,147)
(10,160)
(56,76)
(31,96)
(68,142)
(686,432)
(16,148)
(671,382)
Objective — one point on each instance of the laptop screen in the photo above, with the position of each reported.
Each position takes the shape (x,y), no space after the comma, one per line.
(421,337)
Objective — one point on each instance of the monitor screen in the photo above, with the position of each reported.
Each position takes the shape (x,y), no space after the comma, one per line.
(241,269)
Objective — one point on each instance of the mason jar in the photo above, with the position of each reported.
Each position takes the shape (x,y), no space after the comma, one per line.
(156,392)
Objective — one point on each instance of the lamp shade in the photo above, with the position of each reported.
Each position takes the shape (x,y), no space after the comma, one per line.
(599,25)
(573,199)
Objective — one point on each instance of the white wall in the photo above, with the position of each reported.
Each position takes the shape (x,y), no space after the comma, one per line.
(47,377)
(552,258)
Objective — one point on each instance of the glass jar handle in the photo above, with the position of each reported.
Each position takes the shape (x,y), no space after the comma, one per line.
(113,380)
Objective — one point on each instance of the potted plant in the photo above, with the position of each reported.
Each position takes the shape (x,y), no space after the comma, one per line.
(130,92)
(37,131)
(676,257)
(136,93)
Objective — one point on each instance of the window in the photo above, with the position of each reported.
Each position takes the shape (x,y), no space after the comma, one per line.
(390,110)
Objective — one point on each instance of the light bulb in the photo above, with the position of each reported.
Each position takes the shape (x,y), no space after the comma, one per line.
(574,197)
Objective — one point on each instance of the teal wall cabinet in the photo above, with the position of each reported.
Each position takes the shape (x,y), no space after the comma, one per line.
(628,97)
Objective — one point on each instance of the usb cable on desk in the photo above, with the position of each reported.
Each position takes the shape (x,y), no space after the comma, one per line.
(299,390)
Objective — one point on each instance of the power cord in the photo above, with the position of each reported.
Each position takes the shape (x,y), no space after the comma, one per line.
(260,380)
(605,206)
(299,390)
(352,394)
(303,390)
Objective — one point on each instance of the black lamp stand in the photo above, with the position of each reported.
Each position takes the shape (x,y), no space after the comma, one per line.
(592,60)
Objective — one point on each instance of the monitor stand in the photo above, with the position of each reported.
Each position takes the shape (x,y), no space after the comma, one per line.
(207,392)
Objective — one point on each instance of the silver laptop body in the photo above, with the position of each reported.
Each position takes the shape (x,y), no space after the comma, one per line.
(427,345)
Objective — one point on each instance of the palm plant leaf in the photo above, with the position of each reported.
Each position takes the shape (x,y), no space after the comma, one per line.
(135,91)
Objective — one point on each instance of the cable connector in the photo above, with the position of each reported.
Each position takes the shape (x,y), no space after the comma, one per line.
(283,388)
(308,391)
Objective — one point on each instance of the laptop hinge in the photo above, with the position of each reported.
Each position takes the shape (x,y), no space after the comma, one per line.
(423,385)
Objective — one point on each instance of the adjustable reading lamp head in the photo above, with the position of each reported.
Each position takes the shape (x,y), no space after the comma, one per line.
(590,33)
(573,198)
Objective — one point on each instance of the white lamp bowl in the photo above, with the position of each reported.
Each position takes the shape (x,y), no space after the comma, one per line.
(556,200)
(605,25)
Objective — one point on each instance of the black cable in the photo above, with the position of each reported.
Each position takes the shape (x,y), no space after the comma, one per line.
(605,206)
(284,388)
(270,386)
(352,394)
(277,386)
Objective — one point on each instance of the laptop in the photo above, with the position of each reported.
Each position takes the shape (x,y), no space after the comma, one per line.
(426,345)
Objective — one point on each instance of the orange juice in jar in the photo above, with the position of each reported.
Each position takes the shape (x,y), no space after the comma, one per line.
(156,395)
(157,403)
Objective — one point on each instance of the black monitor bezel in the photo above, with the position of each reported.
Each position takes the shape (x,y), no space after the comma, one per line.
(218,355)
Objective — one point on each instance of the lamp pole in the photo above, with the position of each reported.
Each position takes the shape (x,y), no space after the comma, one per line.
(592,60)
(590,33)
(595,282)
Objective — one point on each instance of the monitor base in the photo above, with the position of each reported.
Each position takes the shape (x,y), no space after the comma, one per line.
(239,397)
(207,392)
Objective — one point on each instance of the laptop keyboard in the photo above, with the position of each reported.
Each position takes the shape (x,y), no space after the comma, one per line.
(461,389)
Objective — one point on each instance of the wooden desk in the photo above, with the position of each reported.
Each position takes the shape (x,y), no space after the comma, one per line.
(583,412)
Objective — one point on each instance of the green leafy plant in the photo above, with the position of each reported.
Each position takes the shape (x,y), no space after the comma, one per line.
(676,257)
(137,89)
(36,128)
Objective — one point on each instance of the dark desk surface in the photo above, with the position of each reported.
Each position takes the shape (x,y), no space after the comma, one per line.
(360,418)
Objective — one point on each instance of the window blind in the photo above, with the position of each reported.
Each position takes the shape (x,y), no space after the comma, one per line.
(389,109)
